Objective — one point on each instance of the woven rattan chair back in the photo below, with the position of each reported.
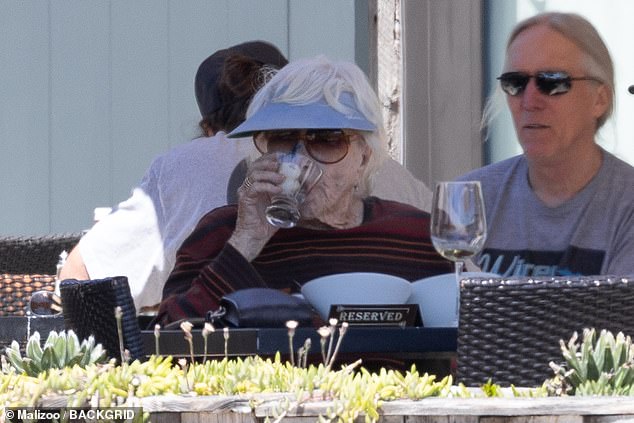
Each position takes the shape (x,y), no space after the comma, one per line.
(89,309)
(509,330)
(34,255)
(16,290)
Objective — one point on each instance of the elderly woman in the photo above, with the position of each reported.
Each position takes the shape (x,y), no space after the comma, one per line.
(329,112)
(565,206)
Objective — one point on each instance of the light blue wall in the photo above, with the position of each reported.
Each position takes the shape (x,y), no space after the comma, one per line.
(92,90)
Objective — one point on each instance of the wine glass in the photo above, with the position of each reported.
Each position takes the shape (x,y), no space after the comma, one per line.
(458,224)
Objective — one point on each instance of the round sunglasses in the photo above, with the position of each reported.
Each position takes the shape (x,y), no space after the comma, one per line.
(548,82)
(326,146)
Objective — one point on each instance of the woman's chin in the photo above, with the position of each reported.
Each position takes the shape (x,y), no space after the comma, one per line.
(307,212)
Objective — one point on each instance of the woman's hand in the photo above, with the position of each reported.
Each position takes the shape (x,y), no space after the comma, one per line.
(252,231)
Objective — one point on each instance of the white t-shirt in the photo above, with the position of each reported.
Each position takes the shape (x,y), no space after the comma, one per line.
(139,239)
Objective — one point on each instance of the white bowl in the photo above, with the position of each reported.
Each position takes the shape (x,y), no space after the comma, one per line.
(355,288)
(437,297)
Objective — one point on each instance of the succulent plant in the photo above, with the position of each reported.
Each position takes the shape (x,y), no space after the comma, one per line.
(603,366)
(78,372)
(60,350)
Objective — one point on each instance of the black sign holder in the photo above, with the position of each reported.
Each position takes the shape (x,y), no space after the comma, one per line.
(376,314)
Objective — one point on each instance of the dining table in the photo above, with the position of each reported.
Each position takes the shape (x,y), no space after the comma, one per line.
(405,345)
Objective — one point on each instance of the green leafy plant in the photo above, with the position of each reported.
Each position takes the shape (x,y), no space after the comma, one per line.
(603,366)
(60,350)
(79,373)
(491,389)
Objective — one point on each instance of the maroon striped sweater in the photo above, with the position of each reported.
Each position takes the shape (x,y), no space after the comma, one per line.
(393,239)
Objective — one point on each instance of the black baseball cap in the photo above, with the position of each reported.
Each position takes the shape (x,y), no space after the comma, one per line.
(209,71)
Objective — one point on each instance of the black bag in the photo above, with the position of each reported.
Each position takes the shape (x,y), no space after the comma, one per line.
(260,308)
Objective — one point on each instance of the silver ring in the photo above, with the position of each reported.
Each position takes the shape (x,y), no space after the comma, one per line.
(248,182)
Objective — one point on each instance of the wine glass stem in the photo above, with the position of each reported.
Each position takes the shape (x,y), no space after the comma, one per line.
(458,267)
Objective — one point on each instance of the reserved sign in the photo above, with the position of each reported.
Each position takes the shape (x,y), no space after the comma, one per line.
(375,314)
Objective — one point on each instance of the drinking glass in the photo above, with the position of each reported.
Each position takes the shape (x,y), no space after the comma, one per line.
(458,224)
(44,303)
(302,173)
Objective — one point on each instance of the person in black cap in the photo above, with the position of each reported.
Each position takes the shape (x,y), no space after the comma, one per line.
(140,238)
(223,94)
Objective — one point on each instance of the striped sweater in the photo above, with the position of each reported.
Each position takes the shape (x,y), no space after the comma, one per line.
(393,239)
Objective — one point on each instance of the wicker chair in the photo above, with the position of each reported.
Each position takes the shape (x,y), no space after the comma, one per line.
(28,264)
(510,329)
(89,309)
(16,290)
(34,255)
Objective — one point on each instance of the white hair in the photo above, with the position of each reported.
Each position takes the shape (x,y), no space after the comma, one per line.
(307,81)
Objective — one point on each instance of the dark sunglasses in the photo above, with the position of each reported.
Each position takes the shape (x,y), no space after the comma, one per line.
(548,82)
(326,146)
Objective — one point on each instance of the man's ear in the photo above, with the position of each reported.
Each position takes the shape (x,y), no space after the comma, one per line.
(602,101)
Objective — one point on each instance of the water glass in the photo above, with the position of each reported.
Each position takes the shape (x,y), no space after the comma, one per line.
(302,173)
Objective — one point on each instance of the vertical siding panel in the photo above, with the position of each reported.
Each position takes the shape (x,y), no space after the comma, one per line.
(24,117)
(196,28)
(81,121)
(140,89)
(332,33)
(258,20)
(212,25)
(455,68)
(80,115)
(441,101)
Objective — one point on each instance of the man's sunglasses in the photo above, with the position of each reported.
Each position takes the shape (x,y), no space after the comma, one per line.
(326,146)
(548,82)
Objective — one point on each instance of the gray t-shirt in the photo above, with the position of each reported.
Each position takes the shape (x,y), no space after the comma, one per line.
(591,234)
